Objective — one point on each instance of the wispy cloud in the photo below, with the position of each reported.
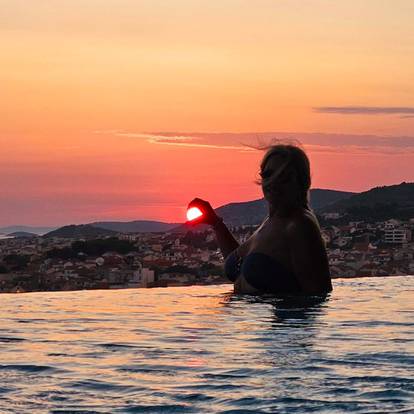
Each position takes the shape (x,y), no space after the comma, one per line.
(367,110)
(351,144)
(154,138)
(177,140)
(187,144)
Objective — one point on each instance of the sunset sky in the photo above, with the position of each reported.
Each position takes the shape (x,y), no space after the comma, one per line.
(128,109)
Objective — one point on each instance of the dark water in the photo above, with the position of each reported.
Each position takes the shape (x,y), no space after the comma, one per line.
(204,350)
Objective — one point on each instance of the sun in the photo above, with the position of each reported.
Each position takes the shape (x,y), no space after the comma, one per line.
(193,213)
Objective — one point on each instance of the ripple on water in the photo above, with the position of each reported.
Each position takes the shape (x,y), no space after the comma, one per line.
(6,339)
(241,411)
(154,368)
(98,385)
(117,346)
(193,397)
(162,408)
(235,373)
(29,368)
(4,390)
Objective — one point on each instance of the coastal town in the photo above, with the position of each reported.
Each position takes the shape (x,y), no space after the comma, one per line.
(161,259)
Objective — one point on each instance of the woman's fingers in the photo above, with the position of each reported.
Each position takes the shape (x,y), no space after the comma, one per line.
(202,204)
(198,201)
(194,201)
(208,216)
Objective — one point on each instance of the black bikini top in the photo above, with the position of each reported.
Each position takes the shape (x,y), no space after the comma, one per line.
(261,271)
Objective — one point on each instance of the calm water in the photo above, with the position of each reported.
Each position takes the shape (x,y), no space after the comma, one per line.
(204,350)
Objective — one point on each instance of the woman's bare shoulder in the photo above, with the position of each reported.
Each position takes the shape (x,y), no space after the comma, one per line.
(246,246)
(303,221)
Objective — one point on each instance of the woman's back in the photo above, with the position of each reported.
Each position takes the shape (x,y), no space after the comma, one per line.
(265,261)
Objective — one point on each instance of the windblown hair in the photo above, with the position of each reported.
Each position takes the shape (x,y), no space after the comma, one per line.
(296,160)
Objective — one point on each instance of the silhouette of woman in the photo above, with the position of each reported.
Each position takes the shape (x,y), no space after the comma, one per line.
(286,254)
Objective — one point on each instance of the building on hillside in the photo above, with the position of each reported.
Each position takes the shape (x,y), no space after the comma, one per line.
(397,235)
(333,216)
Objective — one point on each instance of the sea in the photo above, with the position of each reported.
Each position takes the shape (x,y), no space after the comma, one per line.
(204,349)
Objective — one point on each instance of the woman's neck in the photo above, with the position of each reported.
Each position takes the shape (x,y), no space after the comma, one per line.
(280,210)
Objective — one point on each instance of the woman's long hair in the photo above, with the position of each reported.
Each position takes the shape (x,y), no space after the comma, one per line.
(294,160)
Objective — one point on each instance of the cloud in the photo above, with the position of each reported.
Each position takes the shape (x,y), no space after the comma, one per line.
(351,144)
(178,140)
(365,110)
(155,138)
(186,144)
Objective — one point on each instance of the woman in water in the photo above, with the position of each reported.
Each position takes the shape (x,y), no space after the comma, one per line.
(286,254)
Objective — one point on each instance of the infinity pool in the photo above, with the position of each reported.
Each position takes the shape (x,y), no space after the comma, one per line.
(206,350)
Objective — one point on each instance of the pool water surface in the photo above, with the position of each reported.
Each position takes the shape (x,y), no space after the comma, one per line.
(202,349)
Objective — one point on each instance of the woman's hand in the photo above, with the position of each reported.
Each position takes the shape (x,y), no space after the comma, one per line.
(225,239)
(208,217)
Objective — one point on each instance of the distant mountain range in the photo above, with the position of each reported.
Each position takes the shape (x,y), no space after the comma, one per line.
(80,230)
(233,214)
(21,234)
(381,202)
(399,194)
(378,203)
(136,226)
(320,198)
(29,229)
(253,212)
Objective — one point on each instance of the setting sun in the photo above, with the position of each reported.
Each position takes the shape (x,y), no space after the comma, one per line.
(193,213)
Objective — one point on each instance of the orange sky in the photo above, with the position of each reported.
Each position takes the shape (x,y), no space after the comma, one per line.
(90,89)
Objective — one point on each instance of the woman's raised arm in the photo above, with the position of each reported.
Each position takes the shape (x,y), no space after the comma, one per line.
(227,243)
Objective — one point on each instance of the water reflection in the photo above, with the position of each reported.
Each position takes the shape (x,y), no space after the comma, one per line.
(279,332)
(286,308)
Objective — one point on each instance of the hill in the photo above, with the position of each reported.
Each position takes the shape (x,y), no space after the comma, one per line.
(80,231)
(320,198)
(135,226)
(22,234)
(378,203)
(253,212)
(243,213)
